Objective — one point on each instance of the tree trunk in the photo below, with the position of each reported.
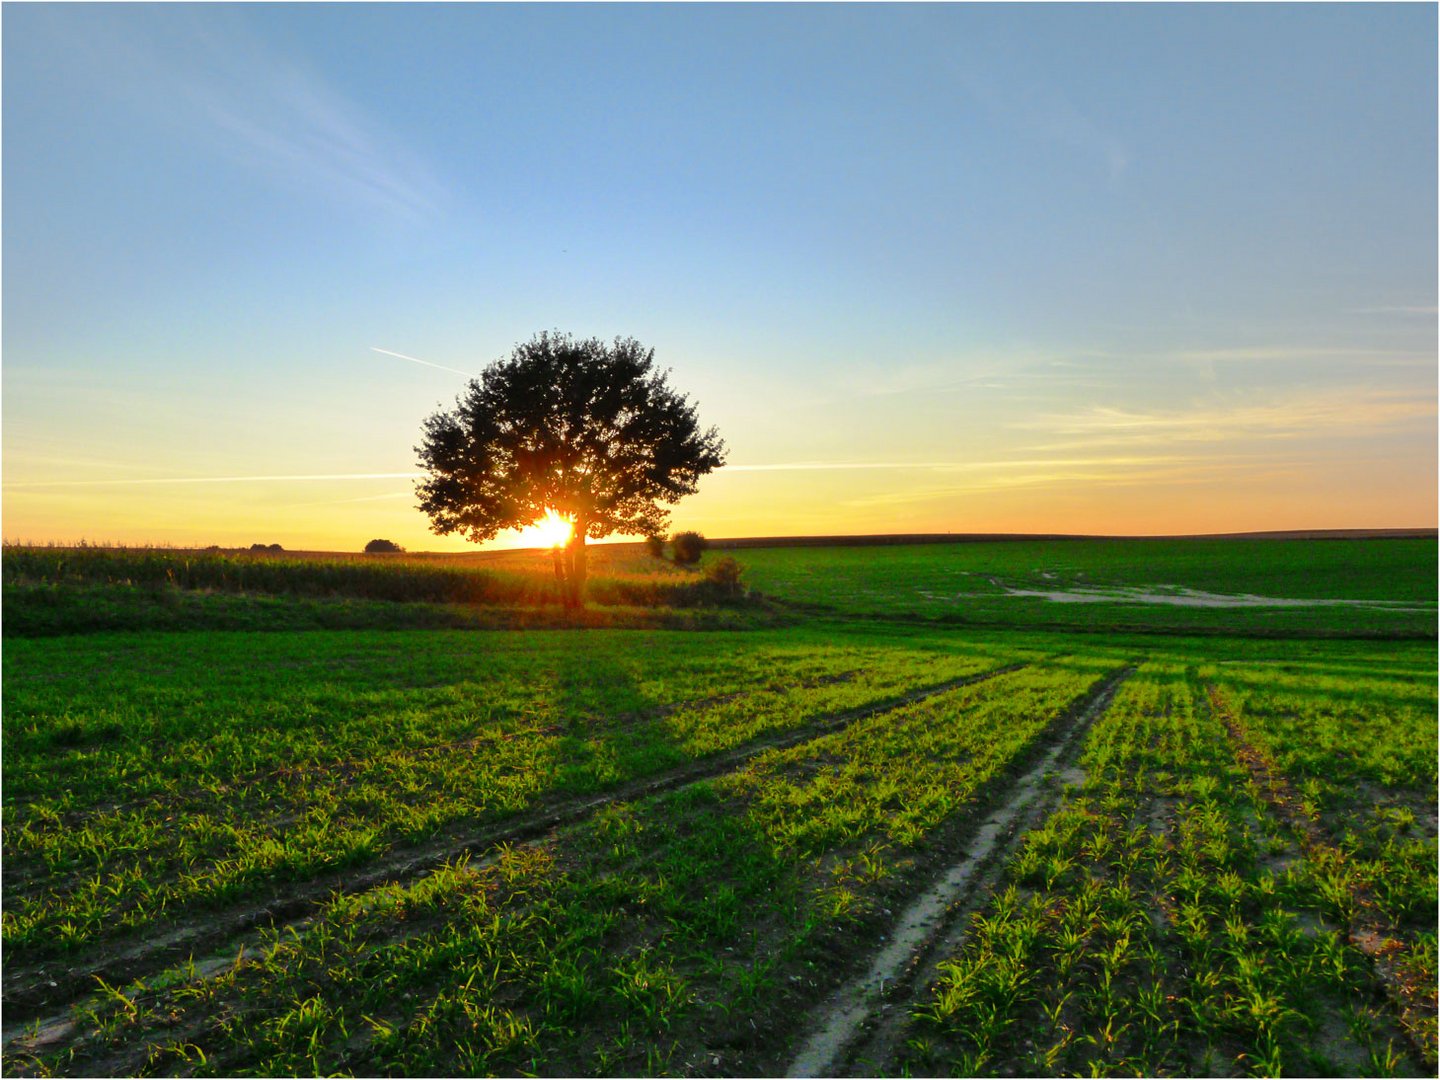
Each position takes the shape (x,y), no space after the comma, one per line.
(576,597)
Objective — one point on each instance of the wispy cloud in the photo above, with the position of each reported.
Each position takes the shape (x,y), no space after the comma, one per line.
(283,478)
(292,125)
(205,73)
(1044,112)
(1278,354)
(825,466)
(997,370)
(1396,309)
(387,497)
(417,360)
(1052,471)
(1068,480)
(947,466)
(29,460)
(1031,373)
(1063,122)
(1351,413)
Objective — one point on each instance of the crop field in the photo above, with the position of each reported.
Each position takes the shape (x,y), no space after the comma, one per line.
(819,833)
(1343,588)
(60,590)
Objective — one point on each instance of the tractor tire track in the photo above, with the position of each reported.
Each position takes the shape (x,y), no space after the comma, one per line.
(346,768)
(279,810)
(858,1029)
(1366,929)
(43,993)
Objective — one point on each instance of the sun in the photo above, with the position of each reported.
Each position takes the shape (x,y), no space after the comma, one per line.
(550,531)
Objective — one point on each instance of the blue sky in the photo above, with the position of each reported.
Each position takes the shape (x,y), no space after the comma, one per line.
(1124,268)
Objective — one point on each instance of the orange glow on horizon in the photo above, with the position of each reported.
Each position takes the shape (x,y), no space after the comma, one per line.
(1165,490)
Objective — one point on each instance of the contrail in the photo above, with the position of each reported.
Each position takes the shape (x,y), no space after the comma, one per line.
(417,360)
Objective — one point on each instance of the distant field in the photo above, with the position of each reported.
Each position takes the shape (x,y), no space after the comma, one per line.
(54,590)
(843,831)
(1382,586)
(1330,588)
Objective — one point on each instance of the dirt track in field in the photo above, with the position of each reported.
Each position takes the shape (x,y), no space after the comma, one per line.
(38,997)
(856,1031)
(1414,1005)
(311,769)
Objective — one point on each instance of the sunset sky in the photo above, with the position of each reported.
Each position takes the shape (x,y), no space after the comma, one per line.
(1098,269)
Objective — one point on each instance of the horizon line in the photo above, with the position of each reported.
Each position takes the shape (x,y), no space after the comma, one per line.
(1424,532)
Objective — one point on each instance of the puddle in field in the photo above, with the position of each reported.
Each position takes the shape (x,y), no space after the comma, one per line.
(1179,596)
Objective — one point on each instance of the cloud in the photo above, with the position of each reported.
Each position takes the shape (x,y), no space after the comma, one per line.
(811,466)
(1043,111)
(1272,354)
(389,495)
(1069,480)
(285,478)
(1064,123)
(1348,413)
(999,370)
(1028,373)
(1062,472)
(52,461)
(944,466)
(1396,309)
(291,125)
(203,73)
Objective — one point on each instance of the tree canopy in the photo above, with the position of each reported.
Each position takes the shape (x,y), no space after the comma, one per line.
(589,430)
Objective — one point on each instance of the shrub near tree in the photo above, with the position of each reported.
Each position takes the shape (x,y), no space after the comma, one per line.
(655,545)
(687,547)
(587,430)
(723,577)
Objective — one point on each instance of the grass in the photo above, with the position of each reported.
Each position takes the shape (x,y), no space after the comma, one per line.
(1364,588)
(1159,923)
(45,610)
(1243,880)
(282,770)
(966,584)
(637,933)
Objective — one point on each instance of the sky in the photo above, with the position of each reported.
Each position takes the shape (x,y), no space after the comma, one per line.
(1124,269)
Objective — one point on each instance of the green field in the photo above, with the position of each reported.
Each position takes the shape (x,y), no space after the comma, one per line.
(295,817)
(1340,588)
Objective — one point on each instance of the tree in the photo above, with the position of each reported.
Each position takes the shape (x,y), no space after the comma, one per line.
(588,430)
(383,547)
